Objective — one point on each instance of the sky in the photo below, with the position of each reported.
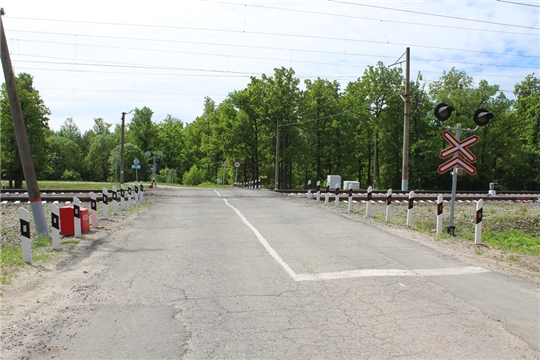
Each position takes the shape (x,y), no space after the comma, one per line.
(97,59)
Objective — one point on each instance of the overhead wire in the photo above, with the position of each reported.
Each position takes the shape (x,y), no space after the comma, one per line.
(267,58)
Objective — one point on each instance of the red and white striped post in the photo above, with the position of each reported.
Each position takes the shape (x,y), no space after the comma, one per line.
(318,191)
(439,214)
(368,203)
(388,204)
(55,224)
(478,227)
(410,209)
(337,195)
(350,198)
(25,235)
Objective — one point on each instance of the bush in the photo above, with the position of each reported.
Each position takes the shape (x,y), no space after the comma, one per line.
(194,176)
(71,175)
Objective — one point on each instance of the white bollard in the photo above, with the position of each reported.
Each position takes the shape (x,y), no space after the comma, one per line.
(337,195)
(93,209)
(439,214)
(55,224)
(478,227)
(318,191)
(122,198)
(136,187)
(309,189)
(410,209)
(25,235)
(141,188)
(368,203)
(105,194)
(350,198)
(114,200)
(327,195)
(388,204)
(129,204)
(77,216)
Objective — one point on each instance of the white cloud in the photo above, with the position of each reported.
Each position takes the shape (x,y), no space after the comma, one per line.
(91,64)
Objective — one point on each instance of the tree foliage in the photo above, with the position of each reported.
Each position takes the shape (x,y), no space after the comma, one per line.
(326,128)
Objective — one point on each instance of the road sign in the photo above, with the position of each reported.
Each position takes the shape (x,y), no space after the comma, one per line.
(459,147)
(135,166)
(457,161)
(237,164)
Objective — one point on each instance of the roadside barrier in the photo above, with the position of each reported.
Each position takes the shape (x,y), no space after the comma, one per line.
(25,235)
(55,224)
(105,194)
(478,226)
(410,209)
(93,209)
(337,195)
(388,204)
(439,214)
(350,198)
(318,191)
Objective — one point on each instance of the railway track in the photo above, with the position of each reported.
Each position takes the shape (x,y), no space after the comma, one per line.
(50,196)
(425,195)
(20,195)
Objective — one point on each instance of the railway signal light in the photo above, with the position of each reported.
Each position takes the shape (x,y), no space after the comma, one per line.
(482,117)
(443,111)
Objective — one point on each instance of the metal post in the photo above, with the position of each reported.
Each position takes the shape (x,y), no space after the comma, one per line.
(451,228)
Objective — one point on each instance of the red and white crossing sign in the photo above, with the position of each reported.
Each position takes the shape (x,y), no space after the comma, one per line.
(457,161)
(458,147)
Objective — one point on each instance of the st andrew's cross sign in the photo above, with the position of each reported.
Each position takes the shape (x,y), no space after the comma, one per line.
(457,148)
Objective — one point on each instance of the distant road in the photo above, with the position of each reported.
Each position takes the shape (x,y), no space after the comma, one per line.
(253,274)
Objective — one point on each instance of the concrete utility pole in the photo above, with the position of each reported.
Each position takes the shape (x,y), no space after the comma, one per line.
(276,176)
(406,119)
(122,150)
(22,138)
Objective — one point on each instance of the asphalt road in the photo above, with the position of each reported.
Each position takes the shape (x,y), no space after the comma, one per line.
(251,274)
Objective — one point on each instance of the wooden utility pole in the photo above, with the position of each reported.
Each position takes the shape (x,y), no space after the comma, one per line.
(22,138)
(122,152)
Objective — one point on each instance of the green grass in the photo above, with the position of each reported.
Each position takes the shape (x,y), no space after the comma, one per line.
(514,241)
(73,185)
(508,227)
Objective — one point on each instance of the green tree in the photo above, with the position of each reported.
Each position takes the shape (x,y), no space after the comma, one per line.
(170,140)
(131,152)
(64,155)
(141,130)
(35,115)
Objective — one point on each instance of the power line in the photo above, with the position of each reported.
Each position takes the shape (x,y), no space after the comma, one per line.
(516,3)
(293,35)
(436,15)
(267,58)
(385,20)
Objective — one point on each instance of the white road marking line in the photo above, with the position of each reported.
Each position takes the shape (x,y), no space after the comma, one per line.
(218,194)
(264,243)
(353,273)
(390,272)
